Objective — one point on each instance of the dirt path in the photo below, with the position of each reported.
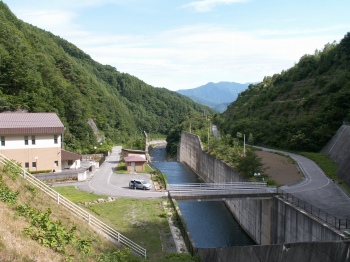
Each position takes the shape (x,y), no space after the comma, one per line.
(281,169)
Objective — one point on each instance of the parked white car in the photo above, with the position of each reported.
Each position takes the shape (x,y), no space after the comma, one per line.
(141,184)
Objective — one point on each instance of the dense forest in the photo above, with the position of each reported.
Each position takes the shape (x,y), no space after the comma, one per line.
(41,72)
(299,109)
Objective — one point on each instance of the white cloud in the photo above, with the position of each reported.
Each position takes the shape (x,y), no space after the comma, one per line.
(54,20)
(191,56)
(208,5)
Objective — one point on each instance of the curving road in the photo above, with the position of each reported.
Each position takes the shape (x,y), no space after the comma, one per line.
(106,182)
(316,188)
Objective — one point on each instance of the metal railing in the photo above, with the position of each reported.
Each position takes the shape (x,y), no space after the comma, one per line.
(228,185)
(232,188)
(78,211)
(338,223)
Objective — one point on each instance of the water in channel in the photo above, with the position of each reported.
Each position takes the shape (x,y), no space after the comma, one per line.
(210,223)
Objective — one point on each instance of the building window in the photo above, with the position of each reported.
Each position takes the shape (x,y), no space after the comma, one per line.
(26,165)
(55,140)
(2,141)
(70,162)
(56,163)
(33,140)
(26,140)
(33,164)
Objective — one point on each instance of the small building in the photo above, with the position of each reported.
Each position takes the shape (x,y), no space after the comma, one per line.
(133,152)
(135,163)
(35,140)
(70,160)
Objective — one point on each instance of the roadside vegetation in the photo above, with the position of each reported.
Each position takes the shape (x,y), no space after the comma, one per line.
(42,230)
(143,221)
(230,149)
(35,228)
(77,196)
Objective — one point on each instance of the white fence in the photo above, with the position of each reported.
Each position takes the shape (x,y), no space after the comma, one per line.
(80,212)
(231,188)
(228,185)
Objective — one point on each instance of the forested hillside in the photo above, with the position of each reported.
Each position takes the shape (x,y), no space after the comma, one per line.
(300,108)
(41,72)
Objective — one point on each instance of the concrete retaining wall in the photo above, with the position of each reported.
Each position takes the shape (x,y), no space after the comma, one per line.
(338,149)
(290,224)
(310,252)
(254,216)
(207,167)
(267,221)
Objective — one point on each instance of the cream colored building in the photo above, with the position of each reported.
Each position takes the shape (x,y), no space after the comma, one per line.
(35,141)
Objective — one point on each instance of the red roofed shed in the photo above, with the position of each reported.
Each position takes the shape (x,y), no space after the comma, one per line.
(135,163)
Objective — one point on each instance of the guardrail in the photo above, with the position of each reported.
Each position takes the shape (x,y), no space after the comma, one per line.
(228,185)
(78,211)
(339,223)
(220,189)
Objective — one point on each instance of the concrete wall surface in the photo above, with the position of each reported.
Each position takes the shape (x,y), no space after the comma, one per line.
(207,167)
(338,149)
(266,220)
(290,224)
(254,216)
(294,252)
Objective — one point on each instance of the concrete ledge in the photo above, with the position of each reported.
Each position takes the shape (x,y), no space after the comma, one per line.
(306,251)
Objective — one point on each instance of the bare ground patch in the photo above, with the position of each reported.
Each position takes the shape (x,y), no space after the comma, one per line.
(282,169)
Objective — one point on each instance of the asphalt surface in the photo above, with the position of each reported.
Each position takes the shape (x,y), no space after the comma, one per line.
(316,188)
(106,182)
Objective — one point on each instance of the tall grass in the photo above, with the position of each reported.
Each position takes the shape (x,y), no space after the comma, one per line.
(16,246)
(143,221)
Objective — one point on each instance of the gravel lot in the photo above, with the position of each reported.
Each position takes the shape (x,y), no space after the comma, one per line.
(279,168)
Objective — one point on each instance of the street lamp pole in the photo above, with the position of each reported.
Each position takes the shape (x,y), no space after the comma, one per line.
(36,164)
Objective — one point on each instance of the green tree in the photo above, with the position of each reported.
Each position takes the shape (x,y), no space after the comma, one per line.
(249,164)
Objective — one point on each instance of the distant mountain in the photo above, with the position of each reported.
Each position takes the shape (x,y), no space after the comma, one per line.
(215,95)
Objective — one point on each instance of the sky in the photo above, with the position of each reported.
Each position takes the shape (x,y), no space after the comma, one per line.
(183,44)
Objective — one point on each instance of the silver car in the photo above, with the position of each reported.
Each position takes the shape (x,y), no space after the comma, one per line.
(142,184)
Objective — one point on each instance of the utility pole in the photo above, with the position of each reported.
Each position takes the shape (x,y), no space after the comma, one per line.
(208,135)
(244,145)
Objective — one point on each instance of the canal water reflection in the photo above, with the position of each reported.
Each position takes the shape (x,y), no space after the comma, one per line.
(210,223)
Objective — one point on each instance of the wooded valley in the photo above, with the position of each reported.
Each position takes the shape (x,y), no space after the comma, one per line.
(41,72)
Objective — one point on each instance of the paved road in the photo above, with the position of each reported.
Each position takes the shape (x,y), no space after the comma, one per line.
(317,189)
(106,182)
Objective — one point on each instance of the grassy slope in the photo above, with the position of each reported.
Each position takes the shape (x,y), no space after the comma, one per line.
(15,246)
(143,221)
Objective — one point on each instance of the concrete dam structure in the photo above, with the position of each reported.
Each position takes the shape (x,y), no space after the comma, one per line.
(282,231)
